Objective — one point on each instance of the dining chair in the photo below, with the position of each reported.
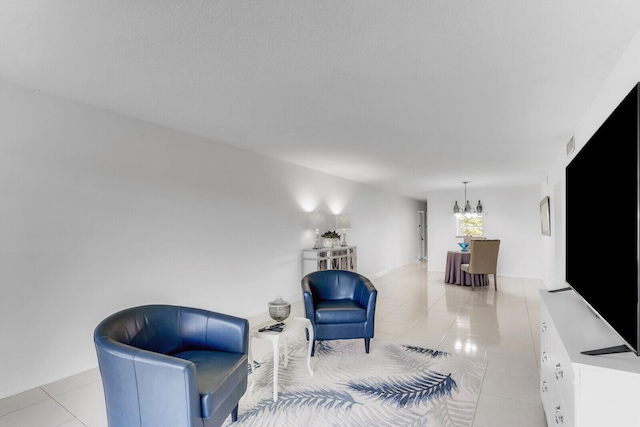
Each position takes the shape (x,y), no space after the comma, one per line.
(483,259)
(468,239)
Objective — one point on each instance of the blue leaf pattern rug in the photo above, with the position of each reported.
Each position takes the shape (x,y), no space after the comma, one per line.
(394,385)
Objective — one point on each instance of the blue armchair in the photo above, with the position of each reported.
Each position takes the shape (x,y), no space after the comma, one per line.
(164,365)
(340,305)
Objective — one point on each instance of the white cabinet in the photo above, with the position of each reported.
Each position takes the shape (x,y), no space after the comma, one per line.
(335,258)
(580,390)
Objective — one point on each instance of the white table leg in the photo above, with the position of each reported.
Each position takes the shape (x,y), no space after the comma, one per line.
(295,327)
(253,368)
(286,351)
(276,360)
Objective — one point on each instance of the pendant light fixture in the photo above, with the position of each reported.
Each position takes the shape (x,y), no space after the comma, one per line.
(467,211)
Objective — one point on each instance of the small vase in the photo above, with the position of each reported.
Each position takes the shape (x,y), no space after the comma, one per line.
(330,242)
(279,309)
(479,207)
(456,208)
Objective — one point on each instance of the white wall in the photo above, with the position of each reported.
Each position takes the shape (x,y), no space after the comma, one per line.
(618,84)
(511,214)
(99,212)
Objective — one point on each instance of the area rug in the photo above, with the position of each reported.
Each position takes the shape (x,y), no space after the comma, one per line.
(394,385)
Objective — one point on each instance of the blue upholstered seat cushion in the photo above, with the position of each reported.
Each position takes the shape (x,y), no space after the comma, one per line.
(340,311)
(217,371)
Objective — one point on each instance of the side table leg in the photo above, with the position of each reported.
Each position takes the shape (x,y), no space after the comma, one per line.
(276,360)
(286,351)
(252,377)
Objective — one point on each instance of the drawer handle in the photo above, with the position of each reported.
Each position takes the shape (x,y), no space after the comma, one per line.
(559,372)
(544,387)
(544,357)
(544,327)
(559,416)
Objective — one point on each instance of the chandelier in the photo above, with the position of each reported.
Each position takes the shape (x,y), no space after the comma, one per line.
(468,211)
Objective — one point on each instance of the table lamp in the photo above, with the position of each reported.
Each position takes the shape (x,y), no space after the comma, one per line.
(343,222)
(316,220)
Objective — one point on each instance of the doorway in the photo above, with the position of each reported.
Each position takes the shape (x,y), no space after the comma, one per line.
(422,235)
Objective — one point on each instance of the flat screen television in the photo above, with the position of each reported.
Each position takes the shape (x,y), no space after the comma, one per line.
(602,240)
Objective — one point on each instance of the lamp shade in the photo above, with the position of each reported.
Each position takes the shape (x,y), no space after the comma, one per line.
(316,220)
(343,221)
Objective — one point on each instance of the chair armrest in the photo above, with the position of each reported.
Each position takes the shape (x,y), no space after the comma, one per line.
(367,296)
(179,400)
(139,383)
(227,333)
(206,330)
(307,295)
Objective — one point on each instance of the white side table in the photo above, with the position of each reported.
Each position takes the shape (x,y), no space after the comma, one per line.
(293,326)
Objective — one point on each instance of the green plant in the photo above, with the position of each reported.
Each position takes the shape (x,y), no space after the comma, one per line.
(331,235)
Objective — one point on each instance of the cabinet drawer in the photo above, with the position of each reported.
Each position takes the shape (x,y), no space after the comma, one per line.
(563,375)
(556,375)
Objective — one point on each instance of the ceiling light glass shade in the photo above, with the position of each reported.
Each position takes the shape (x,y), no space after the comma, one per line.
(468,211)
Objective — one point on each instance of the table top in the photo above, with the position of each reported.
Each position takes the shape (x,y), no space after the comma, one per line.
(331,249)
(292,326)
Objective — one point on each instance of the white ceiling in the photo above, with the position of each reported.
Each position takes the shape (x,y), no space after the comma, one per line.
(409,96)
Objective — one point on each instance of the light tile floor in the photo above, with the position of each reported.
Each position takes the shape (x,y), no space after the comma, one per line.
(414,307)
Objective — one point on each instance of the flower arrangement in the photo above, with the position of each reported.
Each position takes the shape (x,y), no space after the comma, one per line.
(331,235)
(330,239)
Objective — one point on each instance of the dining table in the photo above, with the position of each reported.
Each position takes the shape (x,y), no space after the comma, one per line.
(452,273)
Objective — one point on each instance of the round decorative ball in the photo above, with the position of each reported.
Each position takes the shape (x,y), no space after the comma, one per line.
(279,309)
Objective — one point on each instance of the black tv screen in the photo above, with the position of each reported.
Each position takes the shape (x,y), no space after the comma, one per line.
(602,215)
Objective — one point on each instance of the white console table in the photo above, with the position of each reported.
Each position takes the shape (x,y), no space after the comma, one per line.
(580,390)
(335,258)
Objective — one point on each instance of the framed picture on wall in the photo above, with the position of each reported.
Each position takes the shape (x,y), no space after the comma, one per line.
(545,216)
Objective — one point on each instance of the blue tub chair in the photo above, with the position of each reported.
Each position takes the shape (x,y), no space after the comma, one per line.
(172,366)
(340,305)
